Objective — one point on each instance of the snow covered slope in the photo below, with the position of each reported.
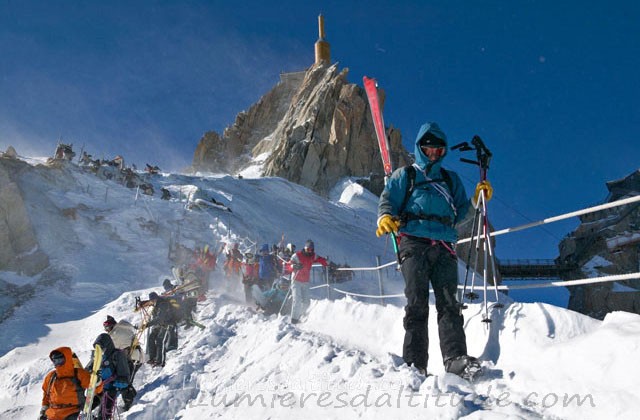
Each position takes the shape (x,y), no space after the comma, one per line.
(118,240)
(342,363)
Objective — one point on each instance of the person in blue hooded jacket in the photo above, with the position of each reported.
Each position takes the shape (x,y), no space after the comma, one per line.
(424,222)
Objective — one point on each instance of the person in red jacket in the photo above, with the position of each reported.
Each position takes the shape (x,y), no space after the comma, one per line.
(203,263)
(63,388)
(300,264)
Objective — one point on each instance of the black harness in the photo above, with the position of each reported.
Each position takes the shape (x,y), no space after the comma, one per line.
(76,382)
(406,217)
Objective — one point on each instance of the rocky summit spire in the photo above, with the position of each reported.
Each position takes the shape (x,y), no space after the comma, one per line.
(323,50)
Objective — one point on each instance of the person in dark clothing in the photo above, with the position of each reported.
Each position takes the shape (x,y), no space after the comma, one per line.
(425,223)
(115,374)
(166,194)
(188,305)
(267,271)
(123,335)
(168,286)
(163,322)
(109,323)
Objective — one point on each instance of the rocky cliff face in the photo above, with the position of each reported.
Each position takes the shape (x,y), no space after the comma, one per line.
(315,127)
(19,249)
(234,149)
(606,242)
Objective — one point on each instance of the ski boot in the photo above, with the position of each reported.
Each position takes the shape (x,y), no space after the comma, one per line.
(467,367)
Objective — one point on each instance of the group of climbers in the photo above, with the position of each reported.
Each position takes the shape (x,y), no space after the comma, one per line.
(420,204)
(274,275)
(277,273)
(122,355)
(64,387)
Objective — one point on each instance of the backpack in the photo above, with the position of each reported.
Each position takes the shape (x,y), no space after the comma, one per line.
(122,334)
(267,268)
(411,186)
(76,382)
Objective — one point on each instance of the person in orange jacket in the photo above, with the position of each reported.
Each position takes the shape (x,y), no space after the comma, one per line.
(203,263)
(63,388)
(300,264)
(233,262)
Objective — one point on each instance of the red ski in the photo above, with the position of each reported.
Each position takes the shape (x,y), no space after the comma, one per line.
(371,88)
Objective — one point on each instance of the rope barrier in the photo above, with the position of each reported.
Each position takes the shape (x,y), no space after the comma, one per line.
(567,283)
(603,279)
(591,280)
(617,203)
(367,296)
(389,264)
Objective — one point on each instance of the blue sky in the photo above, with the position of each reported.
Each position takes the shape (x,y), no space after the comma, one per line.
(551,87)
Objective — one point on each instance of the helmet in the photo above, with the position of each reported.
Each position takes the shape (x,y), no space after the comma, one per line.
(264,249)
(153,295)
(308,246)
(109,323)
(249,257)
(291,247)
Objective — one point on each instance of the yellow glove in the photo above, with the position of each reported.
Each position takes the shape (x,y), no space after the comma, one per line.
(387,224)
(488,192)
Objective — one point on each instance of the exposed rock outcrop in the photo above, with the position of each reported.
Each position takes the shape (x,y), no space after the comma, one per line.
(234,149)
(606,242)
(315,127)
(19,249)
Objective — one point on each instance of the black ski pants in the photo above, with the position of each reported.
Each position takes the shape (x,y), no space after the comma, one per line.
(425,261)
(157,343)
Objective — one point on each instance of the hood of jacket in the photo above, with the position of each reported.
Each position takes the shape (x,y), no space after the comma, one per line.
(65,369)
(432,168)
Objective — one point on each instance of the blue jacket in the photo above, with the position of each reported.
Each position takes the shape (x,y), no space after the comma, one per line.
(267,267)
(425,199)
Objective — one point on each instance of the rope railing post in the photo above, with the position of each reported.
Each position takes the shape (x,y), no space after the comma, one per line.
(327,282)
(380,282)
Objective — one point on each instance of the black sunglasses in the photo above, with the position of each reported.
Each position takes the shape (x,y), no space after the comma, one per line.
(57,359)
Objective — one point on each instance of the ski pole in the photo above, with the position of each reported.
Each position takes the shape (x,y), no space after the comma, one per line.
(492,257)
(286,296)
(472,295)
(294,276)
(466,270)
(486,247)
